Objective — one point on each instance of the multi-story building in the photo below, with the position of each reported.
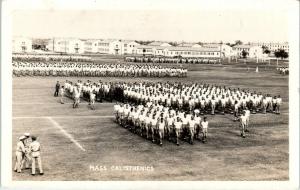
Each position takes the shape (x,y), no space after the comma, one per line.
(273,46)
(110,47)
(70,46)
(171,51)
(91,46)
(226,50)
(129,47)
(21,45)
(252,51)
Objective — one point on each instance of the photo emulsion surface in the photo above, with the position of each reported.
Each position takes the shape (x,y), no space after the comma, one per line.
(150,95)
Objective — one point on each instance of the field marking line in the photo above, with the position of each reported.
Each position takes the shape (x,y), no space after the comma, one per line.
(65,133)
(72,116)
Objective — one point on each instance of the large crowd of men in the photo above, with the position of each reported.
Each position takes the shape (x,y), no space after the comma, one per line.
(162,100)
(208,99)
(94,70)
(283,70)
(172,60)
(156,122)
(50,57)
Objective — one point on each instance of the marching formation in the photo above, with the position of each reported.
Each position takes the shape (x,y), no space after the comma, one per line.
(50,57)
(94,70)
(283,70)
(208,99)
(156,122)
(172,60)
(27,154)
(171,110)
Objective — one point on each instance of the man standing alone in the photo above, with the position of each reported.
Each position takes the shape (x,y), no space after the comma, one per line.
(57,87)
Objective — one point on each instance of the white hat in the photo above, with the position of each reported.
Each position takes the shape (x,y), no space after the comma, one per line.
(22,137)
(26,134)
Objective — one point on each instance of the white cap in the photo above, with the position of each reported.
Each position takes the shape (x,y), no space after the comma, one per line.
(22,137)
(26,134)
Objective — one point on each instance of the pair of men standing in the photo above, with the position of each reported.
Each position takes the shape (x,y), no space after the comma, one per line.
(28,150)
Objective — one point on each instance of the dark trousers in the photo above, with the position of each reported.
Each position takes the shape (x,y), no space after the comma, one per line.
(56,93)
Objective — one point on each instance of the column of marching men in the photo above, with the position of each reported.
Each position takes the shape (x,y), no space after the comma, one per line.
(157,122)
(283,70)
(94,70)
(160,101)
(172,60)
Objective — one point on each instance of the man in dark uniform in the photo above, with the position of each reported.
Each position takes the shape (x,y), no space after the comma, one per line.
(57,87)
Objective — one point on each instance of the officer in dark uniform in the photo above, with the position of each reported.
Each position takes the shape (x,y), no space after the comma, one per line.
(57,87)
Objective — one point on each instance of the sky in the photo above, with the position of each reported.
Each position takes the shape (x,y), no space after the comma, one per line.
(186,24)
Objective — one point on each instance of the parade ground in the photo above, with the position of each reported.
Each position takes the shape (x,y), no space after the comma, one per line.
(84,144)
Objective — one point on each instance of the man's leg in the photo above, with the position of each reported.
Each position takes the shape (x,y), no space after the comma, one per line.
(40,164)
(19,161)
(33,166)
(16,165)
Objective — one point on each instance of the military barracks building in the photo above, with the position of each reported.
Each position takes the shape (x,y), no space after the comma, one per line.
(21,45)
(273,46)
(157,48)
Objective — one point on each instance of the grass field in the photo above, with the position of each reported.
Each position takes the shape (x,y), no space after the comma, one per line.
(73,140)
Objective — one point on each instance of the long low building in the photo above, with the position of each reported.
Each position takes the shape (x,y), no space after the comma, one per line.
(175,51)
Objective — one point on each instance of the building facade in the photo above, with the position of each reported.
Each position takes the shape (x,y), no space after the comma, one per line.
(91,46)
(129,47)
(186,52)
(69,46)
(273,46)
(252,51)
(21,45)
(226,50)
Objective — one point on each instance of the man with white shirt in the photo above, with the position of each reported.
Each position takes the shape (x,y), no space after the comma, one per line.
(76,97)
(92,100)
(116,110)
(243,123)
(170,123)
(161,128)
(35,149)
(20,151)
(197,119)
(247,114)
(178,127)
(278,104)
(153,127)
(204,128)
(192,126)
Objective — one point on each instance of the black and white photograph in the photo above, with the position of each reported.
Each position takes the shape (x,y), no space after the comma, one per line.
(133,91)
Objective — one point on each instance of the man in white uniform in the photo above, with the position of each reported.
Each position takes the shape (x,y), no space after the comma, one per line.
(204,126)
(20,151)
(35,149)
